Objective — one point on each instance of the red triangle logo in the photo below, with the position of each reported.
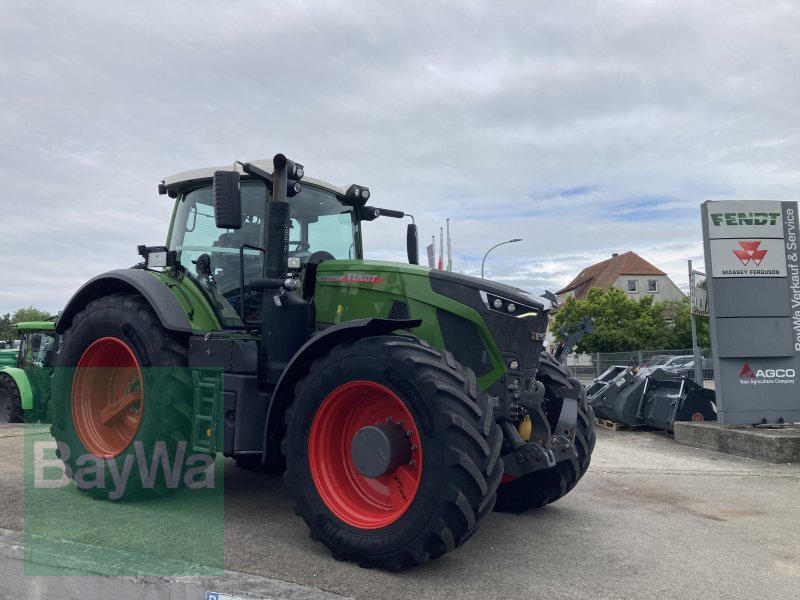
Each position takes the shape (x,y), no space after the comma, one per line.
(750,252)
(747,372)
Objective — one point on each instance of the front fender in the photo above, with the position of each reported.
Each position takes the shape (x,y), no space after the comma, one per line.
(314,348)
(170,312)
(23,383)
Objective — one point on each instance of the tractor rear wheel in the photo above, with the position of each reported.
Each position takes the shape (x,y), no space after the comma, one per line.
(122,393)
(392,452)
(10,401)
(546,486)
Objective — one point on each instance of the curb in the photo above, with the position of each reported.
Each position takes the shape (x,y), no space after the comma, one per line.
(770,445)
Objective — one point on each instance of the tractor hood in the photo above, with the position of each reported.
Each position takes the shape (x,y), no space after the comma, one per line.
(446,279)
(486,325)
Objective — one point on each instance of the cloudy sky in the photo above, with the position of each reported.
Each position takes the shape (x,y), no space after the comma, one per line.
(584,128)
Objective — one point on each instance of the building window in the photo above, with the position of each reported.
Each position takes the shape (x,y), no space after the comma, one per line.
(633,286)
(652,286)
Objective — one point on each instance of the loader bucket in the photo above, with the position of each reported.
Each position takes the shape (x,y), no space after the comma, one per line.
(667,400)
(616,394)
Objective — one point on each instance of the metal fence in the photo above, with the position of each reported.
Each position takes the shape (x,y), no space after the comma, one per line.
(593,365)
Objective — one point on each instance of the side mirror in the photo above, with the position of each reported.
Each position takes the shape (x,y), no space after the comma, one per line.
(412,246)
(227,200)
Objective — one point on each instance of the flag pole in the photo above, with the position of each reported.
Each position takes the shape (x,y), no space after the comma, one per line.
(449,249)
(441,248)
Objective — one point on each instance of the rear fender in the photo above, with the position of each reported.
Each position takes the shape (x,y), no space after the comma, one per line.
(23,383)
(172,315)
(308,353)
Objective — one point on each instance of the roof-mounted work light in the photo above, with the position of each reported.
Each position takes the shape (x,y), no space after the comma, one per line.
(357,195)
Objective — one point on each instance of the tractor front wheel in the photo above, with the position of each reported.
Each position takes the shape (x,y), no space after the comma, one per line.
(10,401)
(392,452)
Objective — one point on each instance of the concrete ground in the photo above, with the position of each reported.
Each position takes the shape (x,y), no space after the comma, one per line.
(651,519)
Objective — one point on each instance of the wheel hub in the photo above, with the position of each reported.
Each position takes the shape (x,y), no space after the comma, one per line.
(378,450)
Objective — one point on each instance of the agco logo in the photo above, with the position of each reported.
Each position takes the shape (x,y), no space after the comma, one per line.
(750,252)
(749,218)
(748,375)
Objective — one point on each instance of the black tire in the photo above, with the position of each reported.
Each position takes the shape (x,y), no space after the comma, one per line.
(10,401)
(166,409)
(544,487)
(459,470)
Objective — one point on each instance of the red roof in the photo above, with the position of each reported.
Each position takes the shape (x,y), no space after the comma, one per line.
(604,274)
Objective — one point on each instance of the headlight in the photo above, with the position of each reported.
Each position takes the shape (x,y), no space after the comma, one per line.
(499,304)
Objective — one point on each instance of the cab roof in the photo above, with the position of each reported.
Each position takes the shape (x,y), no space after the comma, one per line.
(184,180)
(35,326)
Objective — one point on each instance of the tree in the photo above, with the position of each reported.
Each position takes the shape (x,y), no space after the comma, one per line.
(678,311)
(7,321)
(29,314)
(619,323)
(7,332)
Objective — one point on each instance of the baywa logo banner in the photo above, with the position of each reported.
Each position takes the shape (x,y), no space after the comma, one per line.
(748,258)
(750,376)
(122,484)
(745,219)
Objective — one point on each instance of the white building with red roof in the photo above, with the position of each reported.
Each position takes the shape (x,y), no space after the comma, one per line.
(628,272)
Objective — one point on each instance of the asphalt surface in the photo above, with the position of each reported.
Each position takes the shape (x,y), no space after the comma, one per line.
(651,519)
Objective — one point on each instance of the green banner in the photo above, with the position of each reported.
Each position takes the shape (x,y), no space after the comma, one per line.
(127,481)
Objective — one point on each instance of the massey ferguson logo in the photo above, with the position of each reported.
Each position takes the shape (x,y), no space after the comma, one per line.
(750,252)
(748,376)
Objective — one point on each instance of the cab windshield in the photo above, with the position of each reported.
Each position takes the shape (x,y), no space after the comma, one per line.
(319,222)
(38,348)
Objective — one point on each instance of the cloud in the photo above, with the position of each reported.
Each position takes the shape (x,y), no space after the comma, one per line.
(584,128)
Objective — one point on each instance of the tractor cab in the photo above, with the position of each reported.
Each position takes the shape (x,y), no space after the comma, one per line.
(225,258)
(38,344)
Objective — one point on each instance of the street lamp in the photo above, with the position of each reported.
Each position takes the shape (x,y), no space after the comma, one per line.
(495,246)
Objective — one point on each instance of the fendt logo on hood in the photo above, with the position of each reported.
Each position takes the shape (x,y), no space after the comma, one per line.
(750,252)
(352,278)
(781,376)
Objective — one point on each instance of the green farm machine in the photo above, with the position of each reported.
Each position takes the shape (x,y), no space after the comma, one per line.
(402,403)
(25,373)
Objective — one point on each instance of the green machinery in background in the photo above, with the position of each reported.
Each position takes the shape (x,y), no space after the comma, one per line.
(25,373)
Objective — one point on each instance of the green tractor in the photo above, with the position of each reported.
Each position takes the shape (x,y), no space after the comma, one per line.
(403,403)
(25,373)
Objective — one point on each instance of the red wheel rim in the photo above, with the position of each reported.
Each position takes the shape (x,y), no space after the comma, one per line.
(360,501)
(107,397)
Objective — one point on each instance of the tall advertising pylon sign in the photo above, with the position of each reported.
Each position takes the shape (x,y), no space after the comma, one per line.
(753,286)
